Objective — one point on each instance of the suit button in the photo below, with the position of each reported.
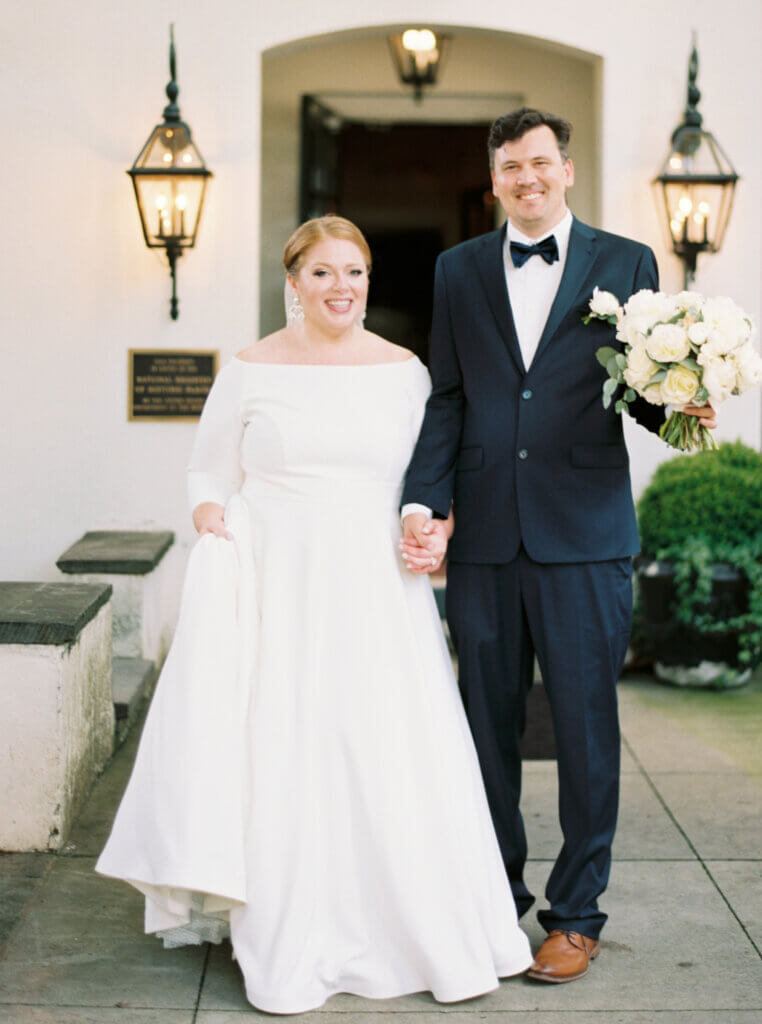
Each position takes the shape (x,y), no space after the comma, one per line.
(526,395)
(523,453)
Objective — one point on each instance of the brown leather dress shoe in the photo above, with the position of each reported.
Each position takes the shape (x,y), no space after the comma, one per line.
(563,956)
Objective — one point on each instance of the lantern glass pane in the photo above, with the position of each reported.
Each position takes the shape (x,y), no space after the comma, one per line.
(694,211)
(170,208)
(170,148)
(696,154)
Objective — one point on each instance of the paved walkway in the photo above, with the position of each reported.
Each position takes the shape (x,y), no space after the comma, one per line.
(682,946)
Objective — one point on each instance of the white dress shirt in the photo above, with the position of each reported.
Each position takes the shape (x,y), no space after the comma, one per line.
(531,290)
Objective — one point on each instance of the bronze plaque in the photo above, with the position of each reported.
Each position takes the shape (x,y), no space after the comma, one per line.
(169,384)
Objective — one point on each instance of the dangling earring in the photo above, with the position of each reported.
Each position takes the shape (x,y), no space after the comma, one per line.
(361,318)
(294,312)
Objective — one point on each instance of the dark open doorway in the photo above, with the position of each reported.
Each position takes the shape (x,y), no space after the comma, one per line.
(413,188)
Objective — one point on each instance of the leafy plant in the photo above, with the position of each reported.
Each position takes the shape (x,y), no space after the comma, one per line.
(714,495)
(704,509)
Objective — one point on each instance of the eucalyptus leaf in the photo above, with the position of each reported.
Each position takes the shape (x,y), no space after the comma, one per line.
(613,368)
(691,364)
(629,395)
(604,354)
(659,375)
(621,361)
(620,407)
(609,387)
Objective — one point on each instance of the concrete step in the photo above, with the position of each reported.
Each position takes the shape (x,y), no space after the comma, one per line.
(144,567)
(131,681)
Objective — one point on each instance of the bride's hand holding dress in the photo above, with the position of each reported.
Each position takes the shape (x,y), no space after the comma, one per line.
(209,517)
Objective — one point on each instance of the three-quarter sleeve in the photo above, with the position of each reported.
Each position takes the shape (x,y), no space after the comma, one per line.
(214,470)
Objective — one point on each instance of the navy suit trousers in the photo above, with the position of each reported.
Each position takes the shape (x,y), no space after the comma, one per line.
(576,618)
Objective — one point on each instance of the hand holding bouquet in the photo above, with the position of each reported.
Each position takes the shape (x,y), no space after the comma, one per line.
(678,350)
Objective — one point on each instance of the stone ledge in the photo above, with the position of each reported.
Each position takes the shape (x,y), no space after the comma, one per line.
(123,552)
(48,613)
(132,680)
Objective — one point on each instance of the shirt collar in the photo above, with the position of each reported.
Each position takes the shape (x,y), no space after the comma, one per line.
(561,231)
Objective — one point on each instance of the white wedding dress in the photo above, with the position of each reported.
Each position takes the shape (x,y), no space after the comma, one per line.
(306,777)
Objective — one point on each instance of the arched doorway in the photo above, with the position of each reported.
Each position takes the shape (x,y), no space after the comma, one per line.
(415,177)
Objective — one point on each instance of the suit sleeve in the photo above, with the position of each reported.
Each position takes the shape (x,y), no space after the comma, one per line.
(430,476)
(646,276)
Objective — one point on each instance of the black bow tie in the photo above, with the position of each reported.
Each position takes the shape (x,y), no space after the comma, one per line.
(547,248)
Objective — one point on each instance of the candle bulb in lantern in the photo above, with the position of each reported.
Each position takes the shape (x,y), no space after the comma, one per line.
(704,211)
(685,206)
(161,202)
(181,202)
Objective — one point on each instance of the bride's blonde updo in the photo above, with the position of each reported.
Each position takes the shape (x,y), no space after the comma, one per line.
(316,230)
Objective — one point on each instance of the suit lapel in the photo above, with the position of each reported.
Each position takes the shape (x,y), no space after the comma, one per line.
(579,261)
(489,258)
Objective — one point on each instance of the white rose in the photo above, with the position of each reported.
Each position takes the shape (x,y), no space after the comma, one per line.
(719,379)
(727,324)
(640,368)
(679,386)
(748,366)
(698,333)
(604,303)
(653,395)
(668,343)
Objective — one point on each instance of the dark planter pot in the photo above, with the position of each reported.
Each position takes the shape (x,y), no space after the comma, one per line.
(682,654)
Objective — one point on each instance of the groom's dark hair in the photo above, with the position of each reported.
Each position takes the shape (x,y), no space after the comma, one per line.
(513,126)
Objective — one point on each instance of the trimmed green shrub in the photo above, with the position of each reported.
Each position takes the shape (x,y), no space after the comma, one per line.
(716,496)
(704,509)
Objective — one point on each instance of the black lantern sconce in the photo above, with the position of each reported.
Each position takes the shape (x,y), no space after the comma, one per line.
(418,54)
(169,177)
(696,184)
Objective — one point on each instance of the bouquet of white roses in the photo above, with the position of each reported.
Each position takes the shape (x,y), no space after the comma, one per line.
(679,350)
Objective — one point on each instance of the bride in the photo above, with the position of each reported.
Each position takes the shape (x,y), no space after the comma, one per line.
(306,781)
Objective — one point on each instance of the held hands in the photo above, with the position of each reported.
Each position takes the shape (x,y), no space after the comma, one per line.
(208,517)
(424,542)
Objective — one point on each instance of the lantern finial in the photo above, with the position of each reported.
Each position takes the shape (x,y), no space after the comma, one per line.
(686,137)
(172,111)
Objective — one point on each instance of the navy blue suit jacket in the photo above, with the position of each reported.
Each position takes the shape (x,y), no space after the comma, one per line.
(531,456)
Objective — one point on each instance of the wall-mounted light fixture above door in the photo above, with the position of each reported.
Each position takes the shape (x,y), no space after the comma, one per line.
(418,55)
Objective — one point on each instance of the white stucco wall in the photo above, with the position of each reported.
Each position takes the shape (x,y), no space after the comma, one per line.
(82,86)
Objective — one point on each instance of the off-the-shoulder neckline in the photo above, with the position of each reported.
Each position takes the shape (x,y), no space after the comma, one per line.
(335,366)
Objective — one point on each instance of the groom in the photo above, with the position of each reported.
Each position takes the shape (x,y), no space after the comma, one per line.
(515,436)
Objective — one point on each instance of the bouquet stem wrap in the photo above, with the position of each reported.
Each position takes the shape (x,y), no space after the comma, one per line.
(686,434)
